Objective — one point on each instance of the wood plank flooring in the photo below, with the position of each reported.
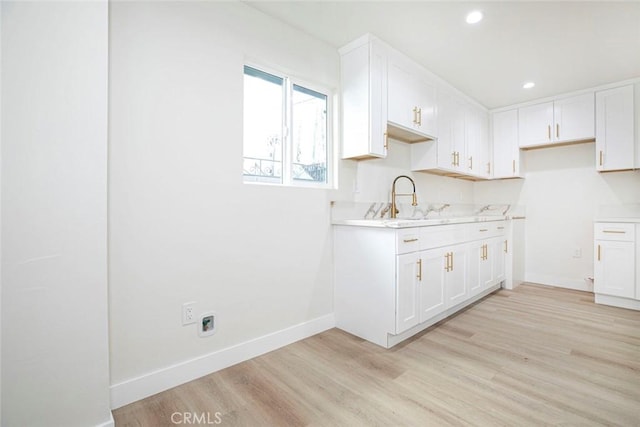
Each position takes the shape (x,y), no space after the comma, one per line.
(532,356)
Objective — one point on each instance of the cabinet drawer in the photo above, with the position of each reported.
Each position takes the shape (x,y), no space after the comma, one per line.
(407,240)
(487,229)
(443,235)
(620,232)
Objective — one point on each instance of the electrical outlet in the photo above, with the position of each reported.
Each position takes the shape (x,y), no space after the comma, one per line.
(577,252)
(188,313)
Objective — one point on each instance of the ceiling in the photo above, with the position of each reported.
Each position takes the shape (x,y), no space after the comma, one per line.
(561,46)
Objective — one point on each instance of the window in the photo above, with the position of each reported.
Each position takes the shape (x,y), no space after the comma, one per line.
(286,131)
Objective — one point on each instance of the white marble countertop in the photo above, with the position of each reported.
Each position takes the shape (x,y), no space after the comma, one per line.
(417,222)
(618,219)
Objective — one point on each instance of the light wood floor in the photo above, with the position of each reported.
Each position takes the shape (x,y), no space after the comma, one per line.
(533,356)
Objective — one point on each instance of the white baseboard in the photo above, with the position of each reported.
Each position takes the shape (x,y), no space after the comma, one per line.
(110,423)
(558,282)
(149,384)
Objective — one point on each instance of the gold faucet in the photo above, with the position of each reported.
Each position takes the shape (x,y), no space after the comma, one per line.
(394,208)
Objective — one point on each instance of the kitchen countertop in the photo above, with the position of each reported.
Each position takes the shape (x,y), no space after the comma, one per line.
(627,220)
(418,222)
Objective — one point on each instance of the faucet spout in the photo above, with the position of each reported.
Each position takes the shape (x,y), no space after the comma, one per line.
(414,197)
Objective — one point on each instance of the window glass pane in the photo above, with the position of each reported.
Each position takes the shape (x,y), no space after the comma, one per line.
(263,124)
(309,135)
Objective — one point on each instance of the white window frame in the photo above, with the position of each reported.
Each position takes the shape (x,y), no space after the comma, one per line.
(287,144)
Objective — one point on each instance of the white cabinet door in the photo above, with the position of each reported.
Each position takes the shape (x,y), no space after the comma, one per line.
(506,151)
(477,142)
(615,146)
(402,108)
(456,275)
(614,268)
(451,132)
(534,125)
(498,255)
(574,118)
(411,102)
(480,267)
(407,288)
(364,101)
(432,298)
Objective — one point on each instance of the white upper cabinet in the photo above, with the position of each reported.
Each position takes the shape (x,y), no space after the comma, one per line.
(412,103)
(477,142)
(506,150)
(364,99)
(615,145)
(561,121)
(462,147)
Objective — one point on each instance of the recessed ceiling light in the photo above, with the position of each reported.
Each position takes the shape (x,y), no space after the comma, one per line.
(528,85)
(474,17)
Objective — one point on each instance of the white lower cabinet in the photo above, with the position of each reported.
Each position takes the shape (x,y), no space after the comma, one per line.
(614,264)
(390,284)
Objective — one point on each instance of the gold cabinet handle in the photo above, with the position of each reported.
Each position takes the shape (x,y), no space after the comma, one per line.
(446,261)
(419,116)
(410,240)
(506,246)
(419,276)
(598,252)
(386,141)
(558,130)
(513,166)
(415,115)
(549,132)
(451,261)
(457,158)
(614,231)
(489,168)
(483,230)
(471,162)
(500,228)
(453,158)
(601,157)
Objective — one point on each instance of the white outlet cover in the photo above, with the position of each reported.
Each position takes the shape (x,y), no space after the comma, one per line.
(189,313)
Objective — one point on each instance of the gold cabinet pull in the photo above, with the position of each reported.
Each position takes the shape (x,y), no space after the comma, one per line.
(601,157)
(451,261)
(506,246)
(549,132)
(386,141)
(457,158)
(415,115)
(419,116)
(489,168)
(453,158)
(513,166)
(471,162)
(614,231)
(598,252)
(419,276)
(446,261)
(558,130)
(500,228)
(410,240)
(483,230)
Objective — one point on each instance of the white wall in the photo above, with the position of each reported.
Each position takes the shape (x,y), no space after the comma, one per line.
(562,193)
(55,368)
(182,225)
